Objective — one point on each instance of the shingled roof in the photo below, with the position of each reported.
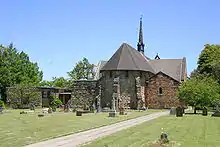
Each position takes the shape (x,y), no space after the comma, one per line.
(174,68)
(128,58)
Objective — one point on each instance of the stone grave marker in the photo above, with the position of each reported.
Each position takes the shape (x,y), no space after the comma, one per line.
(217,112)
(50,110)
(179,112)
(1,110)
(204,111)
(113,111)
(32,107)
(173,111)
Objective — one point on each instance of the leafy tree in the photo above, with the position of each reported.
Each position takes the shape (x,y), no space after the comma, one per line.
(46,83)
(82,70)
(22,96)
(195,73)
(56,82)
(199,91)
(16,68)
(216,70)
(208,58)
(59,82)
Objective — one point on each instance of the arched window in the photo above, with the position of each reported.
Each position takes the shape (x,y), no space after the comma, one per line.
(160,91)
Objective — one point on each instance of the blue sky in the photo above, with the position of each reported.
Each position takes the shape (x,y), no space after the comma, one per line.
(57,34)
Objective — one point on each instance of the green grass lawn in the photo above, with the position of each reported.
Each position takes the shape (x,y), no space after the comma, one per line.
(188,131)
(17,130)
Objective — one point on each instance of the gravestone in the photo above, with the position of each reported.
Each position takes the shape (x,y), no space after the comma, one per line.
(179,112)
(113,111)
(1,110)
(164,138)
(50,110)
(40,115)
(173,111)
(32,107)
(23,112)
(183,109)
(204,111)
(66,108)
(78,113)
(217,112)
(121,111)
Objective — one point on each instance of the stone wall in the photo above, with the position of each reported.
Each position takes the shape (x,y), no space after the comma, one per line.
(128,89)
(168,97)
(84,94)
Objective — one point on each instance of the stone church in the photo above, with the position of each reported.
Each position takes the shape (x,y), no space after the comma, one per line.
(136,81)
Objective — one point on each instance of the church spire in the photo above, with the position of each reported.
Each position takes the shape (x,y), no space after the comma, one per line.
(140,45)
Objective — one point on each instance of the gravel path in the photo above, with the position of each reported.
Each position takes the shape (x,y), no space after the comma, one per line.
(91,135)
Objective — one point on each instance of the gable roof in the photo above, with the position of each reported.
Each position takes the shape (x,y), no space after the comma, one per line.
(171,67)
(97,72)
(128,58)
(160,72)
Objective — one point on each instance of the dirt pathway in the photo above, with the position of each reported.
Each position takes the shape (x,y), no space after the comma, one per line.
(91,135)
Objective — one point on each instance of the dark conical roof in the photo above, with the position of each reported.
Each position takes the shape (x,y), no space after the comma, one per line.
(128,58)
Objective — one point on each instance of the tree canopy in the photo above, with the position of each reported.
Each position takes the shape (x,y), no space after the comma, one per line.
(16,68)
(203,87)
(82,70)
(60,82)
(209,59)
(200,91)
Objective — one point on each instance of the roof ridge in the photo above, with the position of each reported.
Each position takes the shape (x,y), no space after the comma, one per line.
(132,58)
(120,53)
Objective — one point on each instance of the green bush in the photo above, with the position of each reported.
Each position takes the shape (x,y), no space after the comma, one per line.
(56,102)
(2,104)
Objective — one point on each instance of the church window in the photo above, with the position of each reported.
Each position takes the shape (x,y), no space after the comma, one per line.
(160,91)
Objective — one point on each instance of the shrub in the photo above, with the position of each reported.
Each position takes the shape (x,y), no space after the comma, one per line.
(57,102)
(2,104)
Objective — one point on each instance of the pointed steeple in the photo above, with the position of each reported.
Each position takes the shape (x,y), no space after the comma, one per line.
(140,45)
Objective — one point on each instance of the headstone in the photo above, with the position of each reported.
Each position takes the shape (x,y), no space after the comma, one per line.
(1,110)
(54,109)
(204,111)
(78,113)
(121,111)
(143,108)
(106,109)
(113,111)
(50,110)
(173,111)
(183,109)
(40,115)
(23,112)
(164,138)
(45,110)
(66,108)
(216,114)
(32,107)
(179,112)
